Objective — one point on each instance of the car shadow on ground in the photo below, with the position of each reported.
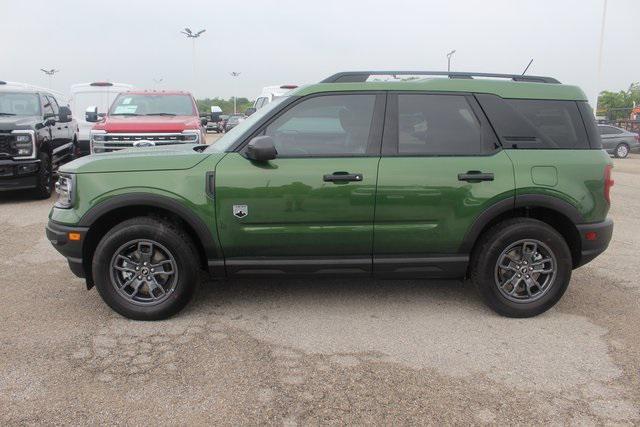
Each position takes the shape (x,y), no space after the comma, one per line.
(311,293)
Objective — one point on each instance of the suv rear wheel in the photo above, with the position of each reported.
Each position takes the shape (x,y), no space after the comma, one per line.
(146,268)
(521,267)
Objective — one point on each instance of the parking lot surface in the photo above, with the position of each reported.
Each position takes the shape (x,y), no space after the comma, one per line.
(318,351)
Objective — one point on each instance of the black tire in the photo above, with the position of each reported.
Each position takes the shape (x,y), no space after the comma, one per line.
(166,235)
(491,247)
(621,151)
(44,177)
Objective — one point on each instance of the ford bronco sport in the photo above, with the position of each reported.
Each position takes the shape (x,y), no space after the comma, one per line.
(500,179)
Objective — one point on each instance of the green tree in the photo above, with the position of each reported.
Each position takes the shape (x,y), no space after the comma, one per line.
(618,105)
(204,105)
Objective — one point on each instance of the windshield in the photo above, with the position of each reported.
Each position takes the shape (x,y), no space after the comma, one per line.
(152,104)
(230,137)
(19,104)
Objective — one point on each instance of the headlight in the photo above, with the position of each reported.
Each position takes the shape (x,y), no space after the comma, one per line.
(65,188)
(23,143)
(96,141)
(191,136)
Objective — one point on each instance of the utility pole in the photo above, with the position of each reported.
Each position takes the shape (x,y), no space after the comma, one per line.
(235,74)
(50,73)
(449,55)
(193,36)
(600,49)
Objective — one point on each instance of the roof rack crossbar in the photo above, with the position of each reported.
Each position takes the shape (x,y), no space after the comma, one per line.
(362,76)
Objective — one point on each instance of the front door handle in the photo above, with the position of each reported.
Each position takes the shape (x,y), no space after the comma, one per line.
(342,177)
(475,176)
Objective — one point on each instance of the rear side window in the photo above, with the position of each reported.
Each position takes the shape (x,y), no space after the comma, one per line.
(532,123)
(437,125)
(609,130)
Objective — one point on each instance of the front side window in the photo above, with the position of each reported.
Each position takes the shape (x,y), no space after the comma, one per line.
(151,104)
(330,125)
(47,107)
(54,104)
(437,125)
(19,104)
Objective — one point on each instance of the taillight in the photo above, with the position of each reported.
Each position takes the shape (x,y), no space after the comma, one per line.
(608,182)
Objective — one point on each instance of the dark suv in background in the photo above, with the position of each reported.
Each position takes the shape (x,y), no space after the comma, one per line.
(37,135)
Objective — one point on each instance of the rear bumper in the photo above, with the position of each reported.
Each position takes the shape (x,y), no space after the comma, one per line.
(18,174)
(58,235)
(595,239)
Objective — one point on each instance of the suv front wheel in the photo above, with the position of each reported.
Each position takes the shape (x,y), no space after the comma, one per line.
(146,268)
(521,267)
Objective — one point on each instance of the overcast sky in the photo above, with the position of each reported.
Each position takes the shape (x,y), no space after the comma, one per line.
(275,42)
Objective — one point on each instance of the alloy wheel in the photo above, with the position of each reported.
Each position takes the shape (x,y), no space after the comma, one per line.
(144,272)
(525,271)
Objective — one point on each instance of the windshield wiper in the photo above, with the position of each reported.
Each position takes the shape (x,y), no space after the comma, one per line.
(124,114)
(7,114)
(159,114)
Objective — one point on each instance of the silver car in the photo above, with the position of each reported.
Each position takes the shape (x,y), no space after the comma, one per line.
(618,141)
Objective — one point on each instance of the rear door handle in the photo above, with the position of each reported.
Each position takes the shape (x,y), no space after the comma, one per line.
(475,176)
(342,177)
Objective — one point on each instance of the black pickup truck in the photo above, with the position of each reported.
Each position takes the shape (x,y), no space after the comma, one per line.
(37,135)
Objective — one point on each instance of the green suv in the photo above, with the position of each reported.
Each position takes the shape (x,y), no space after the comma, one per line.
(500,179)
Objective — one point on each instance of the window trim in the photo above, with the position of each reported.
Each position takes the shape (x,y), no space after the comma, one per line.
(391,140)
(375,131)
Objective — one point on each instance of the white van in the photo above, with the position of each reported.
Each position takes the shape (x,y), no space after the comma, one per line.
(269,93)
(83,95)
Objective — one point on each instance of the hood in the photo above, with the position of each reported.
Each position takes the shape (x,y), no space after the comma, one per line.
(168,157)
(142,124)
(18,122)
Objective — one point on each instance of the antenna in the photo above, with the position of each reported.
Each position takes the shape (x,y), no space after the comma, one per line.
(527,67)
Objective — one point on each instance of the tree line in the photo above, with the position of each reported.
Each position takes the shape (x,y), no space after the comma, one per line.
(618,105)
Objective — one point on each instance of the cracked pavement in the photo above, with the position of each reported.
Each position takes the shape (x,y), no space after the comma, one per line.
(336,351)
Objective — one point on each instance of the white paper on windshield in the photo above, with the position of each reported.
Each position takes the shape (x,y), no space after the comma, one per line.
(125,109)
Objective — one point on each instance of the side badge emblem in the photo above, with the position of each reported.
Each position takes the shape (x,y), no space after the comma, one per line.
(240,211)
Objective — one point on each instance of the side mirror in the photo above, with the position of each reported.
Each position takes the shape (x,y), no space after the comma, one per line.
(204,121)
(64,114)
(91,114)
(249,111)
(261,149)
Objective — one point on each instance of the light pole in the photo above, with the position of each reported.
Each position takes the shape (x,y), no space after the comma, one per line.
(449,55)
(193,36)
(235,74)
(157,81)
(49,73)
(600,48)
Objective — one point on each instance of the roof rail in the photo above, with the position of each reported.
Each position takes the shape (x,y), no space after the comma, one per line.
(362,76)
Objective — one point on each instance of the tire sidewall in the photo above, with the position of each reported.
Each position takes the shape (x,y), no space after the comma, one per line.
(503,238)
(186,264)
(43,188)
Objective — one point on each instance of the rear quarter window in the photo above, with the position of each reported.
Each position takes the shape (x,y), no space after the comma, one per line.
(532,123)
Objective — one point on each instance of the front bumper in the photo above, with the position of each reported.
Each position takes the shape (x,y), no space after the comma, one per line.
(58,235)
(595,238)
(18,174)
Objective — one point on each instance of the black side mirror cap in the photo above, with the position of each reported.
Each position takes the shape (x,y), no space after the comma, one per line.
(64,114)
(261,149)
(249,111)
(91,114)
(204,121)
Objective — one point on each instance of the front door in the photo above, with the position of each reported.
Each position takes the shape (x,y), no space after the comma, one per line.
(311,209)
(441,167)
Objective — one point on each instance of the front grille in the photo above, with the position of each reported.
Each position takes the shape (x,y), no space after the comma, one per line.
(119,141)
(6,148)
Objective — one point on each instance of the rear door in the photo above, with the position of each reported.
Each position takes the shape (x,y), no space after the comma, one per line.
(311,209)
(441,167)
